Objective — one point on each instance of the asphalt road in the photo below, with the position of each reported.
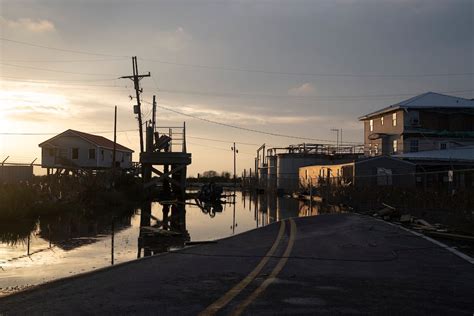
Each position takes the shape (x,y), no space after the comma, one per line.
(328,264)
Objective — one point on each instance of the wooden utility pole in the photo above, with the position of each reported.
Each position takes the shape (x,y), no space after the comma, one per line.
(137,109)
(115,140)
(235,167)
(153,117)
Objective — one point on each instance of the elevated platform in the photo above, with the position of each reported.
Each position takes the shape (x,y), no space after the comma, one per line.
(165,158)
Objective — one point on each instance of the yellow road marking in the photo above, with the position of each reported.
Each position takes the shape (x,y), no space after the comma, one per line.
(241,307)
(233,292)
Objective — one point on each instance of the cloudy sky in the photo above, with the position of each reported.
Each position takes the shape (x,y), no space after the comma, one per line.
(298,68)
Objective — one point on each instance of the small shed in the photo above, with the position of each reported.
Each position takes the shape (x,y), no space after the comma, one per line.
(78,150)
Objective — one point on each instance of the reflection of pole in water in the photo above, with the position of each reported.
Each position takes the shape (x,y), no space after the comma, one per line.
(112,244)
(256,208)
(28,247)
(49,235)
(233,216)
(145,221)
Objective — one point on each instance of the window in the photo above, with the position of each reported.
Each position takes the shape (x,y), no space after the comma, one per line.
(395,146)
(443,146)
(381,120)
(75,153)
(394,119)
(371,124)
(414,118)
(92,153)
(376,149)
(414,145)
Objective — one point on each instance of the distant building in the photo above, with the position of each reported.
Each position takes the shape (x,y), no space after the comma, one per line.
(430,121)
(373,171)
(277,168)
(77,150)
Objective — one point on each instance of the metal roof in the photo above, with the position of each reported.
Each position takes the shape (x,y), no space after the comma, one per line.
(426,100)
(454,154)
(94,139)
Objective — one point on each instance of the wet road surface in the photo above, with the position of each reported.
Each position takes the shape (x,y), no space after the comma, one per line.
(327,264)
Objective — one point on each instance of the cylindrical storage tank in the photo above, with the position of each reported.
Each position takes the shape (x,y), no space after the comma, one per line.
(272,173)
(262,176)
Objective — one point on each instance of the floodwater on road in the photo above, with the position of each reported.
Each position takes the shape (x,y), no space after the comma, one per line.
(35,252)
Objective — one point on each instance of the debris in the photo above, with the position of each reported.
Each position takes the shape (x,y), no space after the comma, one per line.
(425,224)
(406,218)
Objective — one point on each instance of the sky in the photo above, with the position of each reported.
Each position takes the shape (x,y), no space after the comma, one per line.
(296,68)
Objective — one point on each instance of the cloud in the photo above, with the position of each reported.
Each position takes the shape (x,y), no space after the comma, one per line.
(304,89)
(36,26)
(173,40)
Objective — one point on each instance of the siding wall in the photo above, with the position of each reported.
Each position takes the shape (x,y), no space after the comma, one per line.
(386,128)
(64,146)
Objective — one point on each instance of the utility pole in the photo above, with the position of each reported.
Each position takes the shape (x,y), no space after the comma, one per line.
(115,139)
(153,118)
(341,139)
(337,138)
(137,108)
(235,163)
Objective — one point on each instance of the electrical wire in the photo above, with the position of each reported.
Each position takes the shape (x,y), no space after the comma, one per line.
(61,60)
(56,80)
(58,71)
(62,49)
(248,70)
(304,74)
(279,96)
(244,128)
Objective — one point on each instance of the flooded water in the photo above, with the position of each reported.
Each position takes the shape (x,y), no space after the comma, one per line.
(38,251)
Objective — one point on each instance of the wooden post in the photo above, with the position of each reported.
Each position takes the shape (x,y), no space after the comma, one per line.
(112,244)
(153,116)
(115,139)
(184,137)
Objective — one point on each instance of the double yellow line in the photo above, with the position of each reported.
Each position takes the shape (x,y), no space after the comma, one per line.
(233,292)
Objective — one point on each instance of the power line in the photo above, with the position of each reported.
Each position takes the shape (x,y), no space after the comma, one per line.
(223,141)
(218,148)
(62,49)
(54,70)
(329,97)
(61,60)
(305,74)
(244,128)
(55,81)
(237,69)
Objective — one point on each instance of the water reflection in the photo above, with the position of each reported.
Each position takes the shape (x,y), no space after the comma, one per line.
(160,236)
(41,249)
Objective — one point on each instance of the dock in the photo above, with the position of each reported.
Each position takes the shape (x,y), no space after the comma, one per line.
(326,264)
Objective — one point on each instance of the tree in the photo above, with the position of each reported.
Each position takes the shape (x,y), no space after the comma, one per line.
(209,174)
(225,174)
